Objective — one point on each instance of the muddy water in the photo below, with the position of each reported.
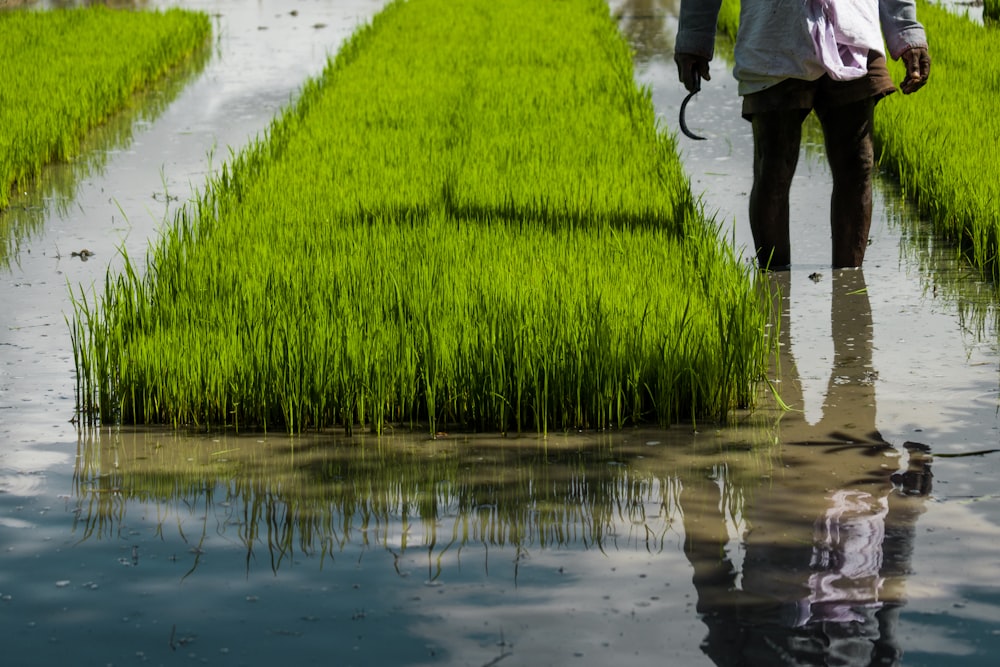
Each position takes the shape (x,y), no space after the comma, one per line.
(845,530)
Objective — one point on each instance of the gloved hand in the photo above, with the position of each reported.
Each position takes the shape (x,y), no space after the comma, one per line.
(918,69)
(691,69)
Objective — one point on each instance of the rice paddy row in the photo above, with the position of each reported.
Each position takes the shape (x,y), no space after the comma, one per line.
(65,71)
(469,220)
(943,140)
(991,11)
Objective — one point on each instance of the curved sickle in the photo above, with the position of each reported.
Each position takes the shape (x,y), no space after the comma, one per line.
(684,127)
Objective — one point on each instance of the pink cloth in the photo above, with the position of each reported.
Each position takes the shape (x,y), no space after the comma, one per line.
(841,31)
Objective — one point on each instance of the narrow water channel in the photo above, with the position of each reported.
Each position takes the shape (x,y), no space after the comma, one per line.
(851,530)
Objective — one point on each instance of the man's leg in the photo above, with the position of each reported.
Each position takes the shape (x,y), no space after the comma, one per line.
(848,134)
(776,138)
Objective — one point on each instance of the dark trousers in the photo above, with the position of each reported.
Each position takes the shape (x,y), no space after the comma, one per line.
(846,110)
(777,136)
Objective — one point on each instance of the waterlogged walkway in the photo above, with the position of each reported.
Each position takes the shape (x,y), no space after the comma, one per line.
(836,530)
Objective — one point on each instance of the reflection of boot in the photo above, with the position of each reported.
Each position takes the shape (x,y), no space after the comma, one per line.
(917,479)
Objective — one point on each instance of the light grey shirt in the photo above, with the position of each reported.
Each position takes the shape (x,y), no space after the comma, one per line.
(774,41)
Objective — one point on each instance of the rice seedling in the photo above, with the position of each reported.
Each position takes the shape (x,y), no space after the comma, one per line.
(942,142)
(477,225)
(65,71)
(729,18)
(991,11)
(54,188)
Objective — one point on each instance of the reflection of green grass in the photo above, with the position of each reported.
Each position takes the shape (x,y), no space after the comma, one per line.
(65,71)
(317,495)
(470,219)
(943,272)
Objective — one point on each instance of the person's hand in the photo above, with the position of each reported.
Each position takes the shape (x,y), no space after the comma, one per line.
(691,69)
(918,69)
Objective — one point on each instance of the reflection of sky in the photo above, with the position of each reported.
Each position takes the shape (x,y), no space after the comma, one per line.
(132,591)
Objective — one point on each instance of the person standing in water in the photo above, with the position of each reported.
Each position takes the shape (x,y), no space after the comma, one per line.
(794,56)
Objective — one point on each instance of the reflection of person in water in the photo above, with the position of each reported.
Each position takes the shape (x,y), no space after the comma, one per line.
(829,538)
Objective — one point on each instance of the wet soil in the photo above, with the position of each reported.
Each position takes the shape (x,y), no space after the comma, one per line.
(852,527)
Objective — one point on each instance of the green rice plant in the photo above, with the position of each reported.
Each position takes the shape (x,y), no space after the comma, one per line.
(942,141)
(65,71)
(991,11)
(54,189)
(729,18)
(476,225)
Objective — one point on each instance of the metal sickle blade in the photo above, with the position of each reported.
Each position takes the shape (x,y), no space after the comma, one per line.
(684,127)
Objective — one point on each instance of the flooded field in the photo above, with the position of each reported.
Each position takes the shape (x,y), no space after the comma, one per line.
(856,529)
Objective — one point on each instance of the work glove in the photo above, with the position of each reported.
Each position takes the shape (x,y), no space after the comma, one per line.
(918,69)
(691,69)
